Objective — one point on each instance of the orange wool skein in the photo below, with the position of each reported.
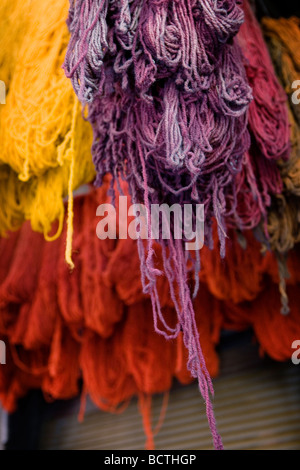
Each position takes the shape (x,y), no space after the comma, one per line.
(17,379)
(236,317)
(69,281)
(238,276)
(63,372)
(44,309)
(20,283)
(125,259)
(144,349)
(116,351)
(109,383)
(276,332)
(8,312)
(7,250)
(101,304)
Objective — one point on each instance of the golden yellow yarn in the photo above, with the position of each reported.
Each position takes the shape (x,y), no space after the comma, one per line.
(45,142)
(12,192)
(14,18)
(37,117)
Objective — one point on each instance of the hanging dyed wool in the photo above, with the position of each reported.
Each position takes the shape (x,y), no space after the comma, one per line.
(61,382)
(14,17)
(49,336)
(39,328)
(130,357)
(276,332)
(115,351)
(13,193)
(169,114)
(8,313)
(44,139)
(283,36)
(239,276)
(268,119)
(23,372)
(96,291)
(268,126)
(18,287)
(69,286)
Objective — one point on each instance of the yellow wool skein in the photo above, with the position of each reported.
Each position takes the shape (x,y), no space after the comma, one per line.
(14,19)
(37,117)
(45,141)
(40,199)
(12,195)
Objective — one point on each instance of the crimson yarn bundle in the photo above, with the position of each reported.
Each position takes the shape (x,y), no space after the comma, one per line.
(269,129)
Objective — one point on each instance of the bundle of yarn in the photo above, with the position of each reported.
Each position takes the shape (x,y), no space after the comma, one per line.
(88,328)
(268,125)
(45,141)
(283,37)
(94,325)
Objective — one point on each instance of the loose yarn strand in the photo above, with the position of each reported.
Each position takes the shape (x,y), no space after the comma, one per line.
(70,218)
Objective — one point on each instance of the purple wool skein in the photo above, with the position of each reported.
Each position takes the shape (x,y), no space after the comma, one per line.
(168,100)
